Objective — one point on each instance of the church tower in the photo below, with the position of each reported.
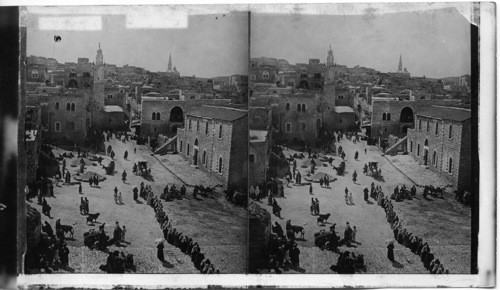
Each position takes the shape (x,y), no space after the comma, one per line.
(170,62)
(99,67)
(400,66)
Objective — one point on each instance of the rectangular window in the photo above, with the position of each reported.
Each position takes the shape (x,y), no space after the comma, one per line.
(251,158)
(288,128)
(58,127)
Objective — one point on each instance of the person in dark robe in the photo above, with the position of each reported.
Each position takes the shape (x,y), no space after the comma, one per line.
(311,189)
(366,193)
(413,191)
(282,190)
(316,206)
(354,176)
(86,206)
(390,251)
(356,155)
(295,256)
(96,181)
(135,190)
(125,155)
(159,252)
(82,206)
(321,181)
(80,188)
(64,255)
(124,176)
(347,234)
(183,190)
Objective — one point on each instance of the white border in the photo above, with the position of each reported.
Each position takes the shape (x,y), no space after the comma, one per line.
(487,132)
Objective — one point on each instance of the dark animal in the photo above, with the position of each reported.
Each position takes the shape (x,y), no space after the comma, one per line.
(322,218)
(92,217)
(295,229)
(64,228)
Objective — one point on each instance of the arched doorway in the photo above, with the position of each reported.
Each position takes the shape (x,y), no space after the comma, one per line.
(426,156)
(303,85)
(406,115)
(176,114)
(195,156)
(72,84)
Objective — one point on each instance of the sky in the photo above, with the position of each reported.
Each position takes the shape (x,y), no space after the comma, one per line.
(432,43)
(202,45)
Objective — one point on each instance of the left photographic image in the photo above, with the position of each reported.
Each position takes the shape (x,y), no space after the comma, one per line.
(136,142)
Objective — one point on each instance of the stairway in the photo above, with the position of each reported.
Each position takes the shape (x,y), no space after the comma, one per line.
(393,150)
(166,147)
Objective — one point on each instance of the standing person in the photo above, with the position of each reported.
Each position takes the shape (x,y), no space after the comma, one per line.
(366,193)
(82,205)
(120,198)
(390,251)
(64,255)
(87,206)
(350,198)
(282,190)
(124,176)
(124,231)
(346,196)
(116,196)
(311,189)
(80,188)
(257,192)
(317,206)
(321,181)
(112,155)
(159,252)
(365,151)
(313,205)
(356,155)
(135,150)
(354,231)
(269,197)
(295,256)
(96,181)
(125,155)
(354,176)
(135,190)
(91,181)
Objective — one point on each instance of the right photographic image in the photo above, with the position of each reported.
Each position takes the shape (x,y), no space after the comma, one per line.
(361,142)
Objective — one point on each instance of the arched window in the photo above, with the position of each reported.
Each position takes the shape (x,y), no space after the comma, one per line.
(418,149)
(450,132)
(411,146)
(287,107)
(420,124)
(190,125)
(428,126)
(220,165)
(68,107)
(153,116)
(157,116)
(206,127)
(204,157)
(220,131)
(388,116)
(298,107)
(180,146)
(72,106)
(426,143)
(450,165)
(434,157)
(57,105)
(196,142)
(384,117)
(188,150)
(303,107)
(197,126)
(72,74)
(437,128)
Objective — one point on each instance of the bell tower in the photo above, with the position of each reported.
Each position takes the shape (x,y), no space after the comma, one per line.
(96,104)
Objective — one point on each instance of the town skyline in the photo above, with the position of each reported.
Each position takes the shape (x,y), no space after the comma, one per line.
(439,48)
(189,46)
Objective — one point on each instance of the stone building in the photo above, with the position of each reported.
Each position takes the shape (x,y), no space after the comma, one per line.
(258,156)
(33,141)
(441,141)
(215,140)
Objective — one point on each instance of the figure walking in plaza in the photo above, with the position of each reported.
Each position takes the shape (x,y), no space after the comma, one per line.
(124,176)
(354,176)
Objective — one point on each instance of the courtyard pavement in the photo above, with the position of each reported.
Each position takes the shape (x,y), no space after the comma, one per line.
(220,228)
(443,223)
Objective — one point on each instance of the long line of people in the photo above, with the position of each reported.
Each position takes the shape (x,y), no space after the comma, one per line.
(176,238)
(407,239)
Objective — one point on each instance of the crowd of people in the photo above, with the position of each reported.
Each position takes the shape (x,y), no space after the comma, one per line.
(52,252)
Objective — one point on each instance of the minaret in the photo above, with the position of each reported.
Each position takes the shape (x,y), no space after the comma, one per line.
(330,59)
(400,66)
(170,62)
(99,59)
